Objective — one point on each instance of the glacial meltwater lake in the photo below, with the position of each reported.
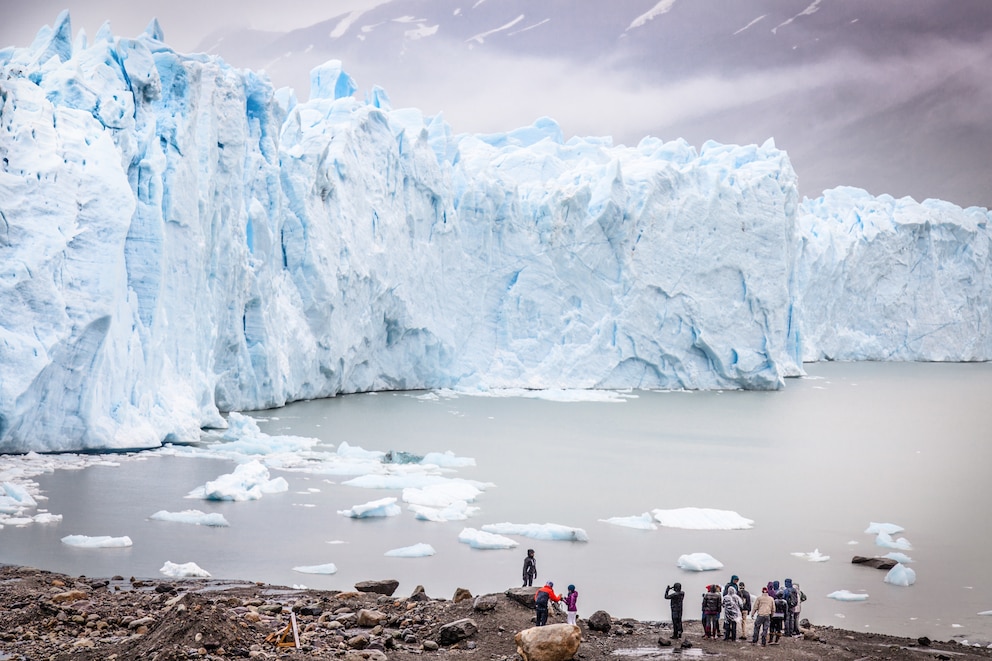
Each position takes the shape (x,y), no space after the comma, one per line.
(812,465)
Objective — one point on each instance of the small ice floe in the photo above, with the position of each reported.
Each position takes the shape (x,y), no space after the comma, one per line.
(479,539)
(888,528)
(46,517)
(249,481)
(447,460)
(375,508)
(329,568)
(192,517)
(698,562)
(546,531)
(643,522)
(186,570)
(416,551)
(901,575)
(98,542)
(847,595)
(898,557)
(885,540)
(985,613)
(458,511)
(813,556)
(700,518)
(852,543)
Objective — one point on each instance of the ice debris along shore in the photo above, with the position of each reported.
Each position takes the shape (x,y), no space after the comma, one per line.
(180,239)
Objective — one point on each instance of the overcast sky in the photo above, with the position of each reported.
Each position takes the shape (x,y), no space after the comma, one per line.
(889,95)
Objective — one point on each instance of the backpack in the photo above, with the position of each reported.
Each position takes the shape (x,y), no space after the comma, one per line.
(802,596)
(793,598)
(542,599)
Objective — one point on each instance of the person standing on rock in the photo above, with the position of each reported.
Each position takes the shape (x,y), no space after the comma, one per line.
(762,611)
(530,568)
(675,595)
(572,611)
(542,599)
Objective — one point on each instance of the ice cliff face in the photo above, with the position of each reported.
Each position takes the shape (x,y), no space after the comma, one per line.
(177,239)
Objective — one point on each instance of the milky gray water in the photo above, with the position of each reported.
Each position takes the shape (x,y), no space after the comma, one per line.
(812,465)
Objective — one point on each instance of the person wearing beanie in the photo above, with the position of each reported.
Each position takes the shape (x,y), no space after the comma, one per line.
(571,610)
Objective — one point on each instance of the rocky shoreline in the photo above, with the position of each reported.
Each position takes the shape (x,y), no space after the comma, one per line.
(51,616)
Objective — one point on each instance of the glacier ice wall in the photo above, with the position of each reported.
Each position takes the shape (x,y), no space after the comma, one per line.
(893,279)
(178,239)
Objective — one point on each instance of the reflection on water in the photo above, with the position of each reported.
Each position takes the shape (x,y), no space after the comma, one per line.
(812,465)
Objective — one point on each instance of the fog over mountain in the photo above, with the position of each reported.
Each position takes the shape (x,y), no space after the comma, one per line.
(890,95)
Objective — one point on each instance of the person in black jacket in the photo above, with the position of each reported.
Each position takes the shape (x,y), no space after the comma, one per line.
(712,605)
(675,595)
(745,609)
(530,568)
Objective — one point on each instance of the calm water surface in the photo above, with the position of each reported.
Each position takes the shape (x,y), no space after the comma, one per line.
(812,465)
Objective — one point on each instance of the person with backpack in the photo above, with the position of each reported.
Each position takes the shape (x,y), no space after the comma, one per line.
(530,568)
(778,618)
(712,605)
(571,610)
(792,599)
(542,599)
(675,595)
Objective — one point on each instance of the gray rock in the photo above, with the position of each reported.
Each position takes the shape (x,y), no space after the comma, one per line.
(386,587)
(485,602)
(370,618)
(600,621)
(877,563)
(458,630)
(365,655)
(358,642)
(523,596)
(430,646)
(419,594)
(461,594)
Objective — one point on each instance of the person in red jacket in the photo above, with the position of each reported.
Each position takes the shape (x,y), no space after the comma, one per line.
(542,599)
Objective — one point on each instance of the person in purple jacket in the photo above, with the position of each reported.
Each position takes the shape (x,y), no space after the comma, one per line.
(572,610)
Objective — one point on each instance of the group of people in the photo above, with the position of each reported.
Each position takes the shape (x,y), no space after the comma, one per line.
(545,595)
(775,611)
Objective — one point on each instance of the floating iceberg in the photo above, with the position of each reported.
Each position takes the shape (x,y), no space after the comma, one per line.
(447,459)
(885,540)
(479,539)
(698,518)
(98,542)
(547,531)
(457,511)
(187,570)
(643,522)
(901,575)
(813,556)
(416,551)
(845,595)
(193,517)
(898,557)
(376,508)
(698,562)
(887,528)
(329,568)
(249,481)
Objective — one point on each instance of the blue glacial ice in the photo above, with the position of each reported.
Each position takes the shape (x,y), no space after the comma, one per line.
(192,517)
(179,240)
(97,541)
(901,575)
(698,562)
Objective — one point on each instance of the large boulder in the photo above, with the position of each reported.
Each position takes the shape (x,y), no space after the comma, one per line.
(554,642)
(523,596)
(387,587)
(600,621)
(452,632)
(485,602)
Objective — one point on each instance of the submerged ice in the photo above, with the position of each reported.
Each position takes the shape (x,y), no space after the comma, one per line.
(178,240)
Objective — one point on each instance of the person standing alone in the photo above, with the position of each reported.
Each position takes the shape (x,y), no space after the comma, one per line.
(675,595)
(530,568)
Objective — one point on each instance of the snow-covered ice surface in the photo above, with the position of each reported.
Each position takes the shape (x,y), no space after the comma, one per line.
(380,508)
(328,568)
(847,595)
(643,522)
(420,550)
(701,518)
(97,542)
(698,562)
(812,556)
(547,531)
(479,539)
(248,481)
(183,570)
(180,239)
(193,517)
